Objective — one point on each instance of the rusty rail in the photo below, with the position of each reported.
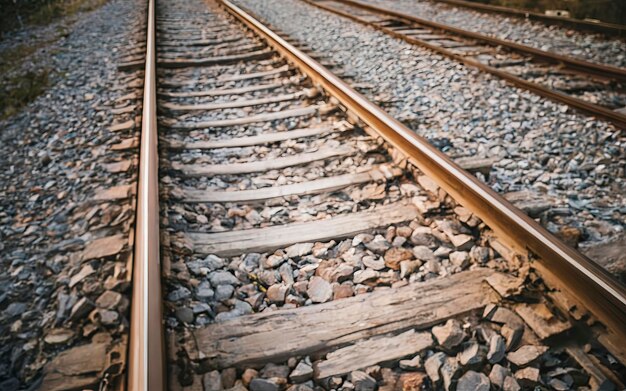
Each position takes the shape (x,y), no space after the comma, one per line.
(146,362)
(571,271)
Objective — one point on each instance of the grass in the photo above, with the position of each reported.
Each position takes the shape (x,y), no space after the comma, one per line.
(16,15)
(20,90)
(62,8)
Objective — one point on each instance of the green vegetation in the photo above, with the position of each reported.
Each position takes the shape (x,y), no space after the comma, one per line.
(19,90)
(17,14)
(610,11)
(19,87)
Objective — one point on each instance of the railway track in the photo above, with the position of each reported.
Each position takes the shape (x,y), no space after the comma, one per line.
(589,87)
(304,238)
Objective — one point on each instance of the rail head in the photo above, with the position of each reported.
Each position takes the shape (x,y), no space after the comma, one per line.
(146,361)
(587,282)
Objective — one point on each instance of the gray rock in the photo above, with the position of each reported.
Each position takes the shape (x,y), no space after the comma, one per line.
(347,386)
(256,300)
(342,273)
(459,259)
(526,355)
(229,377)
(109,300)
(432,365)
(422,236)
(212,381)
(108,318)
(277,293)
(267,277)
(301,373)
(497,348)
(179,294)
(223,278)
(424,254)
(15,309)
(432,266)
(473,354)
(449,335)
(319,290)
(360,276)
(274,260)
(250,262)
(258,384)
(301,286)
(202,266)
(411,365)
(214,262)
(374,371)
(362,238)
(59,336)
(223,292)
(299,250)
(300,387)
(237,387)
(450,371)
(81,309)
(241,308)
(513,336)
(462,241)
(373,263)
(409,267)
(443,252)
(184,314)
(286,273)
(85,272)
(398,241)
(510,384)
(247,376)
(528,377)
(502,315)
(378,245)
(558,385)
(479,255)
(362,381)
(473,381)
(275,371)
(205,294)
(200,308)
(513,326)
(498,374)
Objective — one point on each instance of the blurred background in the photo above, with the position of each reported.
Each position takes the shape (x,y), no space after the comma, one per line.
(612,11)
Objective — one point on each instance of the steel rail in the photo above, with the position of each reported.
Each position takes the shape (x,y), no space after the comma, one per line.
(590,108)
(146,365)
(580,24)
(587,282)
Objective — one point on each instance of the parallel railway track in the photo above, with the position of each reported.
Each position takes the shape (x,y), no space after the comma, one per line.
(294,222)
(595,89)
